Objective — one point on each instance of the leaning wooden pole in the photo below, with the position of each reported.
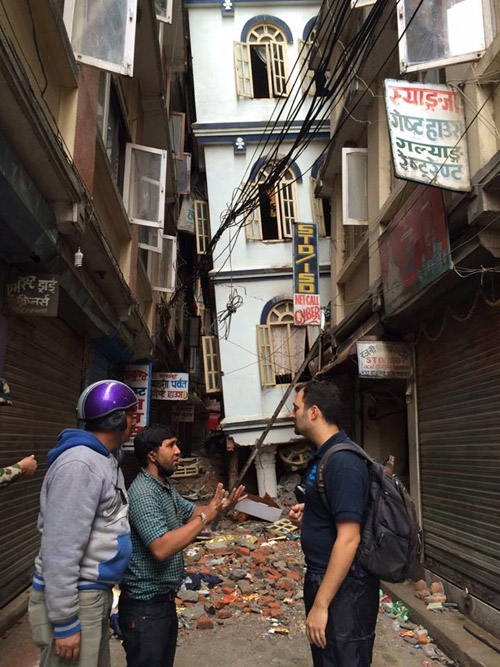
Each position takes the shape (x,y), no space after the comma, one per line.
(260,442)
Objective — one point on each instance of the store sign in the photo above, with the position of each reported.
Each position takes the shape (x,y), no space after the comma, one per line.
(183,413)
(380,359)
(32,295)
(306,303)
(170,386)
(414,249)
(138,378)
(427,130)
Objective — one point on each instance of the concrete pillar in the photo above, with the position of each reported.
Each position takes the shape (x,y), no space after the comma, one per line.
(265,465)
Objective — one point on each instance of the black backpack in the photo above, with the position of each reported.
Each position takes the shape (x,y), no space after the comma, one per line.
(391,537)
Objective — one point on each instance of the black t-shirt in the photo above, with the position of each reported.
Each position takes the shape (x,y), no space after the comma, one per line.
(347,491)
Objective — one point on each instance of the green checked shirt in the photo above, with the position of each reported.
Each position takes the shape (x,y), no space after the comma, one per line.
(155,508)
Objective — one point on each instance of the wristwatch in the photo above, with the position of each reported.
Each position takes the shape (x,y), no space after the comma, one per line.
(203,518)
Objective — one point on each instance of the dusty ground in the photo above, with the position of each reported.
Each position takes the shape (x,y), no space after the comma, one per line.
(238,642)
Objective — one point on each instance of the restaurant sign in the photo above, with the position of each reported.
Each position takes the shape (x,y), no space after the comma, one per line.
(33,295)
(427,130)
(384,360)
(170,386)
(306,304)
(138,378)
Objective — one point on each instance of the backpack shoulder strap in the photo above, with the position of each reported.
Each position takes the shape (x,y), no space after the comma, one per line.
(320,475)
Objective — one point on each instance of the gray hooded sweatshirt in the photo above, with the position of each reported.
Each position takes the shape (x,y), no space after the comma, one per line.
(84,526)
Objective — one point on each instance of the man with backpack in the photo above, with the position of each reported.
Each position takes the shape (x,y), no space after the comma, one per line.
(341,598)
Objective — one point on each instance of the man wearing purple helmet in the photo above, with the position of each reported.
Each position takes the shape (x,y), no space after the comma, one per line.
(85,533)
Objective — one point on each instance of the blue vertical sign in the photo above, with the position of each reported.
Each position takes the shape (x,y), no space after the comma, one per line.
(306,303)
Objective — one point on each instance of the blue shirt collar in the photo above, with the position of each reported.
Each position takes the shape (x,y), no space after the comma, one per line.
(334,440)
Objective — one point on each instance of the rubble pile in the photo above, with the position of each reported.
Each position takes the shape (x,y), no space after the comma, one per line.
(250,572)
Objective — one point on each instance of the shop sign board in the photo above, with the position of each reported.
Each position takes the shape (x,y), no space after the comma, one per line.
(183,413)
(414,249)
(35,294)
(306,300)
(138,378)
(428,136)
(170,386)
(384,360)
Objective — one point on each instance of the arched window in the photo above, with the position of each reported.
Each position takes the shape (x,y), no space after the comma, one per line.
(272,220)
(260,61)
(281,345)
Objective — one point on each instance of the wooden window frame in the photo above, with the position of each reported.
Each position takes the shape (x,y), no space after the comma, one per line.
(276,59)
(287,210)
(201,225)
(211,364)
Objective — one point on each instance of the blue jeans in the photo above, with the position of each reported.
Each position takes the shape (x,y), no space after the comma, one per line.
(352,617)
(149,629)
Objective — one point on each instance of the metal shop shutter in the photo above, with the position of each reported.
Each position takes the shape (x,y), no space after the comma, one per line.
(43,367)
(459,432)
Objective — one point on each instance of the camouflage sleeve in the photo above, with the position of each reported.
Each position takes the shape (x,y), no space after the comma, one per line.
(9,474)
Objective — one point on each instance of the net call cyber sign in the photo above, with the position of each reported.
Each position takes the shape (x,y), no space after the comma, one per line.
(306,304)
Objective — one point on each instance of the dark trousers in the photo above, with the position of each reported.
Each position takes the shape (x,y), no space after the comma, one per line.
(149,629)
(352,617)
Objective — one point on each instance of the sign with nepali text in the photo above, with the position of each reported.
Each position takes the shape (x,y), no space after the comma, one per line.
(183,413)
(33,295)
(427,130)
(138,378)
(306,304)
(381,359)
(414,249)
(170,386)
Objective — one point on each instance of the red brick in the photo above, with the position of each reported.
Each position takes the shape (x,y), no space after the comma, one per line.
(224,613)
(227,590)
(243,551)
(276,612)
(204,623)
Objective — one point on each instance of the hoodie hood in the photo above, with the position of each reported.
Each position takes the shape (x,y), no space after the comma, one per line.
(76,437)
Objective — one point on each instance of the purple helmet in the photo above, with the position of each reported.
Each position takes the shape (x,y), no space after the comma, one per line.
(102,399)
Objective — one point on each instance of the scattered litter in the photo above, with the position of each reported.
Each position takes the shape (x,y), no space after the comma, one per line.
(283,528)
(262,508)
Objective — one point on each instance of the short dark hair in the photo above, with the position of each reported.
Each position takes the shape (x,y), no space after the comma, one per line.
(149,439)
(326,396)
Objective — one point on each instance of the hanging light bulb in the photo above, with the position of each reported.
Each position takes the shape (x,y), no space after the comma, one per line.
(78,257)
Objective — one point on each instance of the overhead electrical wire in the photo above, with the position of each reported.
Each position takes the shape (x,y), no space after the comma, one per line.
(245,205)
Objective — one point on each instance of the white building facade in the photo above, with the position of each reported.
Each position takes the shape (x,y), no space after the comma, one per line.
(246,62)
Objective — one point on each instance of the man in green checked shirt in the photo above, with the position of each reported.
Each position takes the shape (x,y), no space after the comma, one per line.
(162,525)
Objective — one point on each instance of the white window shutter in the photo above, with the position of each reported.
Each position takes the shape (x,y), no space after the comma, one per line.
(201,225)
(279,69)
(102,33)
(243,69)
(162,267)
(355,186)
(144,185)
(317,208)
(211,364)
(286,208)
(265,355)
(306,75)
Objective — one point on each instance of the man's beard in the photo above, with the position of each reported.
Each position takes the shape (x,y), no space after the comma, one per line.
(162,471)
